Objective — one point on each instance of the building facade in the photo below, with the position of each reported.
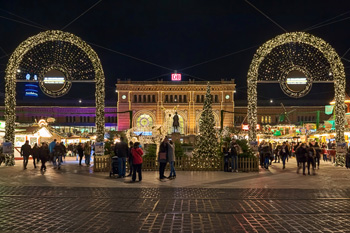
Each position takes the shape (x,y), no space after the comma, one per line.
(270,115)
(152,102)
(68,119)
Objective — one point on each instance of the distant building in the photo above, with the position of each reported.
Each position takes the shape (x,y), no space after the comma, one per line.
(148,101)
(68,119)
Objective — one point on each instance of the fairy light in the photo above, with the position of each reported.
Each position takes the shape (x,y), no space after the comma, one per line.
(296,51)
(53,50)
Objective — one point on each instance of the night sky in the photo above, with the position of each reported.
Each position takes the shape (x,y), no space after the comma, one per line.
(173,35)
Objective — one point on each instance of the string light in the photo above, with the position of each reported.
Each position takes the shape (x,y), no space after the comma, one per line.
(296,51)
(53,50)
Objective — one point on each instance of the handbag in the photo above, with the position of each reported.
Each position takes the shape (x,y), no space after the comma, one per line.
(162,155)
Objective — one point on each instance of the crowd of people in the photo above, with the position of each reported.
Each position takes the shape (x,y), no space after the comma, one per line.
(307,154)
(54,152)
(133,154)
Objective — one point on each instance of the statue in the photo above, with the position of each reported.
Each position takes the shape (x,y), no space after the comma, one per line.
(176,122)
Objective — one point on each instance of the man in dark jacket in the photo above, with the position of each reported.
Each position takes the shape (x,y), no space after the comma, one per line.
(80,151)
(121,150)
(44,155)
(25,152)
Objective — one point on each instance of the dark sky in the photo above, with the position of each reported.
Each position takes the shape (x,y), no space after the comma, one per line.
(176,34)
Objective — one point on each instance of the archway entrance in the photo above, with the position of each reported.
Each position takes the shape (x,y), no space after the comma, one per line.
(295,61)
(55,60)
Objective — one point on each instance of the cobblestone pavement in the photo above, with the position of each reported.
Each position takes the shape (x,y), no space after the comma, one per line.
(74,199)
(75,209)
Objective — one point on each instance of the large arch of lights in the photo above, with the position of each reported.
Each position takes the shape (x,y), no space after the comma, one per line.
(302,53)
(53,51)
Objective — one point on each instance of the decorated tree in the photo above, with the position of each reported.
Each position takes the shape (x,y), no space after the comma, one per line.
(207,141)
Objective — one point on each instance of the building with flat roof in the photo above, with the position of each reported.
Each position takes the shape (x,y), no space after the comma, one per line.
(150,100)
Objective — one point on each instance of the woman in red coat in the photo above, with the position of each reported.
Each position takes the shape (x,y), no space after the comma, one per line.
(137,161)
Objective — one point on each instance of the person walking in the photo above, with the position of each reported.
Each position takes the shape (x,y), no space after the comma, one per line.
(44,155)
(64,151)
(266,152)
(35,153)
(163,157)
(261,156)
(234,149)
(301,153)
(324,152)
(87,153)
(51,147)
(58,152)
(80,152)
(26,150)
(136,153)
(311,152)
(130,158)
(318,155)
(171,159)
(284,152)
(121,149)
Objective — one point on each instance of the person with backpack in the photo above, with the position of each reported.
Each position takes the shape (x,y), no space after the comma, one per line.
(137,153)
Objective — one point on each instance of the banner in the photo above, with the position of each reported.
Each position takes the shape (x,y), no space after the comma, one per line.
(99,148)
(7,148)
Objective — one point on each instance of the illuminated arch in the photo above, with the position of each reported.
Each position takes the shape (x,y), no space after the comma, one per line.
(29,44)
(147,115)
(336,69)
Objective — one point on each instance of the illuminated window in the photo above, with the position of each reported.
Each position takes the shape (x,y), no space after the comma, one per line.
(144,120)
(270,119)
(262,119)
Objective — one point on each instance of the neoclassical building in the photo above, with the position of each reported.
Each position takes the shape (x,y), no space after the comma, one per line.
(152,101)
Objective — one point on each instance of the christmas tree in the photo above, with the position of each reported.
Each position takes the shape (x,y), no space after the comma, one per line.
(207,141)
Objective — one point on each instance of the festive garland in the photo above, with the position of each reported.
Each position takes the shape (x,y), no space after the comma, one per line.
(13,68)
(337,74)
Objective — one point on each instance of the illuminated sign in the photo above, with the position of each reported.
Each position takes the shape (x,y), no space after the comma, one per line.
(176,77)
(54,80)
(296,81)
(246,127)
(31,90)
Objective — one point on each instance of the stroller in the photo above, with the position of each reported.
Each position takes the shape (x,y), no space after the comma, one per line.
(114,166)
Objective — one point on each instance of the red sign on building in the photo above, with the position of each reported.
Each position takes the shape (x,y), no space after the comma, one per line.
(175,77)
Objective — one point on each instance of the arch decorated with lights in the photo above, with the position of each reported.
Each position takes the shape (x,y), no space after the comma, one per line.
(301,52)
(63,52)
